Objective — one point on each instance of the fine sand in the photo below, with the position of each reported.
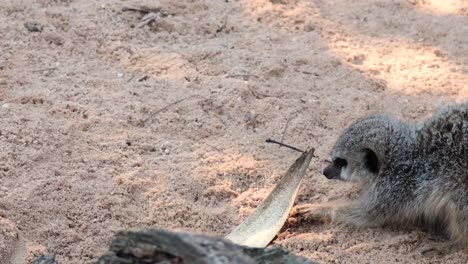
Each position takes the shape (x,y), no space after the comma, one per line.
(109,124)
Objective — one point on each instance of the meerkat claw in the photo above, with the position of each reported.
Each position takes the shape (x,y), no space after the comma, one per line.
(310,211)
(301,209)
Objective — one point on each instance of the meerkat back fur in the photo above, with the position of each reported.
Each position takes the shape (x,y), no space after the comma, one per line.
(410,173)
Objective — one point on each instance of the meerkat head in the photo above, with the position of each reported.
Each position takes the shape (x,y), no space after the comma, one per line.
(359,153)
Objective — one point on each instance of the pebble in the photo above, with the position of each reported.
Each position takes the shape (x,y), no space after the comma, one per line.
(33,26)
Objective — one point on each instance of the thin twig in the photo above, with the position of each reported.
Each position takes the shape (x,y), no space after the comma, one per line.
(144,78)
(285,128)
(46,69)
(131,78)
(148,18)
(215,148)
(220,151)
(147,10)
(245,76)
(142,122)
(282,144)
(142,9)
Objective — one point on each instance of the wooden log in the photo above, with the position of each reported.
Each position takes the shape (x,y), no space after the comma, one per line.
(45,259)
(162,246)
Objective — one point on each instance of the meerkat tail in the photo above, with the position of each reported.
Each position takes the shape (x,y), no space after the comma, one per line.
(266,221)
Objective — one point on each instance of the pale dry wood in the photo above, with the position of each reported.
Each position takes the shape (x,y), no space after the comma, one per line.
(266,221)
(162,246)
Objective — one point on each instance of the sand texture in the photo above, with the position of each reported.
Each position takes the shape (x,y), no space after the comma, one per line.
(108,123)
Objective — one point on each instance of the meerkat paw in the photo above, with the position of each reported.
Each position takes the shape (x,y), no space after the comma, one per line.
(311,212)
(439,248)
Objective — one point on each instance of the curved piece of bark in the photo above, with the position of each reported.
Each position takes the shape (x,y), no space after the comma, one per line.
(161,246)
(266,221)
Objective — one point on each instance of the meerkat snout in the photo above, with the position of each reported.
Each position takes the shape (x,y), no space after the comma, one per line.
(333,170)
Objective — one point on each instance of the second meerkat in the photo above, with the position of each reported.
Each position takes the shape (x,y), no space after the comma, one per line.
(410,173)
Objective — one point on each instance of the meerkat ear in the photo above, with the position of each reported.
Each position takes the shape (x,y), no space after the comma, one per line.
(371,161)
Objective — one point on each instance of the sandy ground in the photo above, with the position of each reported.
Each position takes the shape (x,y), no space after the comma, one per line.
(86,151)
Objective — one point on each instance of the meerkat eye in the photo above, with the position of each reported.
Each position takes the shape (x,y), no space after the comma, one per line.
(340,163)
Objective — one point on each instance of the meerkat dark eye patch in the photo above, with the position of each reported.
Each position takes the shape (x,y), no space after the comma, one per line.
(371,161)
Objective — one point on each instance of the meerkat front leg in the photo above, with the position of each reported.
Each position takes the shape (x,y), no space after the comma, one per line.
(323,211)
(352,213)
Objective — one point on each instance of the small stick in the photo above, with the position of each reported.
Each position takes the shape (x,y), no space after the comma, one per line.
(284,145)
(285,128)
(147,10)
(46,69)
(142,122)
(148,18)
(143,9)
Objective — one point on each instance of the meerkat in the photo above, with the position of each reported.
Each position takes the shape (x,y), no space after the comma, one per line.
(410,173)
